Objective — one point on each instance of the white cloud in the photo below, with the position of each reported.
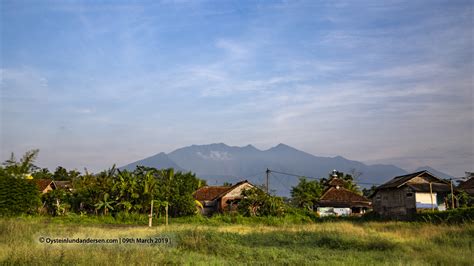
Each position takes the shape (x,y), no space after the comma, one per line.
(216,156)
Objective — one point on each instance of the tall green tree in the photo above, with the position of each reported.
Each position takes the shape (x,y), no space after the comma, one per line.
(24,167)
(62,173)
(256,202)
(307,193)
(366,192)
(17,195)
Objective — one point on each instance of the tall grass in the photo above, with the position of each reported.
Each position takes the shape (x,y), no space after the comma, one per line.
(236,240)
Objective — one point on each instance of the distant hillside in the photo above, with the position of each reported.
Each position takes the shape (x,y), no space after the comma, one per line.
(158,161)
(218,163)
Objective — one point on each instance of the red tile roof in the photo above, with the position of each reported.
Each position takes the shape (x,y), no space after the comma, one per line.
(342,197)
(42,184)
(212,193)
(209,193)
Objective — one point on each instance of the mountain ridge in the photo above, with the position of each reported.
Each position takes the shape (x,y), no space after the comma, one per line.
(219,163)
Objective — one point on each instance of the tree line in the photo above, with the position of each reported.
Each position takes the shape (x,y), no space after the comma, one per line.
(143,190)
(107,192)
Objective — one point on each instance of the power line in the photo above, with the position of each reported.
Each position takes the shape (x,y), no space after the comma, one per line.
(281,183)
(295,175)
(316,178)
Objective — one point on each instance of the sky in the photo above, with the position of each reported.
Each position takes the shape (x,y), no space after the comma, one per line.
(97,83)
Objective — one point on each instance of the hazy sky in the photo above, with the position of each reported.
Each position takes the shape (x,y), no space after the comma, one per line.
(101,82)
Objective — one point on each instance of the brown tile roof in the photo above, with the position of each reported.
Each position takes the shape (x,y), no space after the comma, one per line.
(209,193)
(42,184)
(342,197)
(215,192)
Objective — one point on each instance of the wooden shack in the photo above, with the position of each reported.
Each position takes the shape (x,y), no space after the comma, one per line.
(467,185)
(405,195)
(220,198)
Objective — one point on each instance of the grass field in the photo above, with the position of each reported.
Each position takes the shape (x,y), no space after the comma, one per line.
(340,242)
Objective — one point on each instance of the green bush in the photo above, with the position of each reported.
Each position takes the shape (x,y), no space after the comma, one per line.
(18,196)
(258,203)
(461,215)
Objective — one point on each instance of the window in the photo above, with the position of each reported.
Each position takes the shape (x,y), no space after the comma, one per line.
(409,194)
(377,198)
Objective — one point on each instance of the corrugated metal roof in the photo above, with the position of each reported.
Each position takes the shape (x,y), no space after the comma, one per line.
(435,187)
(63,184)
(401,180)
(468,184)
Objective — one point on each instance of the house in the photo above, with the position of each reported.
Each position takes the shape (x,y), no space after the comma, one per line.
(65,185)
(46,185)
(405,195)
(339,201)
(220,198)
(468,185)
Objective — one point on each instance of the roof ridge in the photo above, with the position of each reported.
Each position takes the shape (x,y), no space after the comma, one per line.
(230,188)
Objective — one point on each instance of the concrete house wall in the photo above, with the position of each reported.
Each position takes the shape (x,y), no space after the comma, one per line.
(229,201)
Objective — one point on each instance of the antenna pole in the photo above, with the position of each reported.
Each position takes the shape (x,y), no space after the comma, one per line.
(452,194)
(268,174)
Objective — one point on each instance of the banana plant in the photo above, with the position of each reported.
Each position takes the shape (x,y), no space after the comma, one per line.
(105,204)
(199,206)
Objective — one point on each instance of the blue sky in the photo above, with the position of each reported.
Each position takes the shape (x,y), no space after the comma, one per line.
(101,82)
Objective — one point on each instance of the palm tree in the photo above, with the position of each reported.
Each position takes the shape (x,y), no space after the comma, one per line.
(149,190)
(168,175)
(24,167)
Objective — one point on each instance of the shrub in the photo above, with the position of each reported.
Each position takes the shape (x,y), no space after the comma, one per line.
(258,203)
(18,196)
(461,215)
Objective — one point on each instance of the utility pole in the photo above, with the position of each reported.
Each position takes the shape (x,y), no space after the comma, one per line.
(166,208)
(452,194)
(431,196)
(268,175)
(150,217)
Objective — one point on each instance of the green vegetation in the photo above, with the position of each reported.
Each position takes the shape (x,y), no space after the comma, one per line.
(115,204)
(307,193)
(461,215)
(17,195)
(195,242)
(22,168)
(107,193)
(258,203)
